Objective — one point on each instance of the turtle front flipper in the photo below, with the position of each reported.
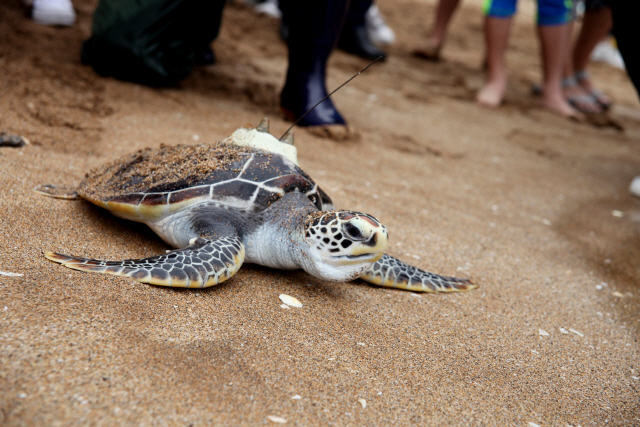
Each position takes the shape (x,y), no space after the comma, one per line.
(390,272)
(202,264)
(56,191)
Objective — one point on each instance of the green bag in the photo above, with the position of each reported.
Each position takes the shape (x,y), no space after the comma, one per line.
(152,42)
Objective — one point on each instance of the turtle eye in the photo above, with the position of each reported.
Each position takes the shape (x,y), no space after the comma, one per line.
(352,231)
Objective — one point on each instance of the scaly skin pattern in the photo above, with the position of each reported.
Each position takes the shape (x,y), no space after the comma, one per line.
(263,201)
(202,264)
(393,273)
(340,233)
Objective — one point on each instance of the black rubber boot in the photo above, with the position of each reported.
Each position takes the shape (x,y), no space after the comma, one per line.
(313,29)
(354,38)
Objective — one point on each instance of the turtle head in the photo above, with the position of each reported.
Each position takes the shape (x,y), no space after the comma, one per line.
(342,244)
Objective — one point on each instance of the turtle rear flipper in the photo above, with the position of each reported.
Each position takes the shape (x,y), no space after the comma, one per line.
(57,191)
(390,272)
(202,264)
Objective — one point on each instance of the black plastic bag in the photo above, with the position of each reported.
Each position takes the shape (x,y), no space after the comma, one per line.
(152,42)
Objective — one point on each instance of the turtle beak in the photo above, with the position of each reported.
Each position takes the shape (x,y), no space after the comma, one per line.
(369,237)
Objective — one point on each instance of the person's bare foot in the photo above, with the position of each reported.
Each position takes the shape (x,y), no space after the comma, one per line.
(492,93)
(558,104)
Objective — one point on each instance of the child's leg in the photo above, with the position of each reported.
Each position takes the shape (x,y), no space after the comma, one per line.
(496,39)
(553,28)
(444,12)
(596,24)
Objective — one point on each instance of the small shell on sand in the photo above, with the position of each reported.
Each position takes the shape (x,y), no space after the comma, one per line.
(290,301)
(276,419)
(564,331)
(576,332)
(543,332)
(617,294)
(4,273)
(363,403)
(296,397)
(285,306)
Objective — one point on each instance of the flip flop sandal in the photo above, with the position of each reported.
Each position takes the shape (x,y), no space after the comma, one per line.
(585,104)
(597,95)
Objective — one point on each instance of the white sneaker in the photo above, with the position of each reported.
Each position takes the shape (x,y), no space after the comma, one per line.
(606,52)
(269,8)
(378,31)
(53,12)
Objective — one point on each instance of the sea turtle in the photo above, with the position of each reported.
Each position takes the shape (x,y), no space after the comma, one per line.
(241,200)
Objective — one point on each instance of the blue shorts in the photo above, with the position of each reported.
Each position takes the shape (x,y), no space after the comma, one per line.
(550,12)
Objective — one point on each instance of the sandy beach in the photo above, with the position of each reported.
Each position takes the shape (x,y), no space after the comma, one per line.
(532,207)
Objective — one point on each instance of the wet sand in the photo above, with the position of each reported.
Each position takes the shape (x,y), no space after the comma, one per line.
(532,207)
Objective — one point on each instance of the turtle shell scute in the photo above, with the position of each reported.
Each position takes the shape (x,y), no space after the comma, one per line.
(244,177)
(238,189)
(291,183)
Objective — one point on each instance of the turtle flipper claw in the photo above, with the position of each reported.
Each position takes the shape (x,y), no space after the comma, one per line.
(56,191)
(202,264)
(393,273)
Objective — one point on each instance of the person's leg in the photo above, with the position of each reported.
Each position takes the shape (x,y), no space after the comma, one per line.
(575,94)
(314,27)
(554,40)
(443,17)
(567,68)
(577,97)
(444,13)
(553,30)
(354,38)
(596,24)
(496,37)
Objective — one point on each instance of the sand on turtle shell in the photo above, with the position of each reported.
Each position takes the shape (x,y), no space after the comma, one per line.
(170,164)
